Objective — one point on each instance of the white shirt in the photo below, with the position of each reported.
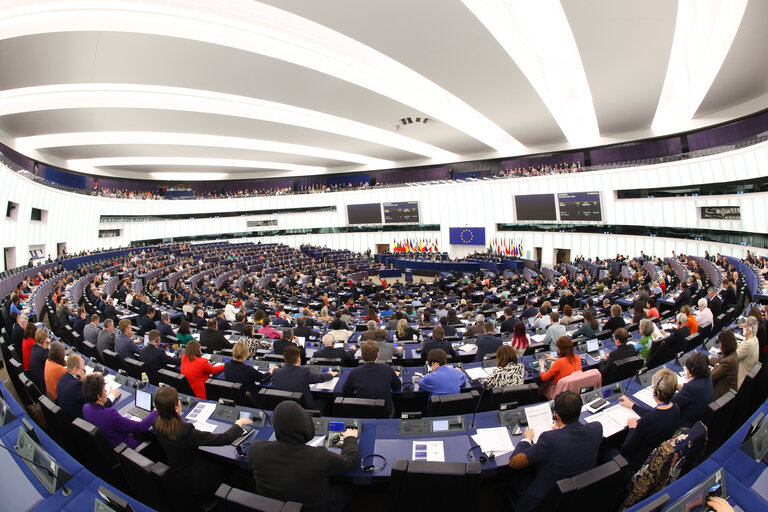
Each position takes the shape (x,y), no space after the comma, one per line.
(704,318)
(230,312)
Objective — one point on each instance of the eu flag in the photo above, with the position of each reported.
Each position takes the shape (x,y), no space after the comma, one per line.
(467,236)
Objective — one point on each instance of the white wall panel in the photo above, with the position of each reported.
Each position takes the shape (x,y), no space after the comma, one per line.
(74,218)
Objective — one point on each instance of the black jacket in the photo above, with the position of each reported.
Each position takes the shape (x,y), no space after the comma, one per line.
(297,379)
(248,376)
(146,325)
(211,339)
(373,380)
(288,469)
(433,344)
(155,359)
(198,475)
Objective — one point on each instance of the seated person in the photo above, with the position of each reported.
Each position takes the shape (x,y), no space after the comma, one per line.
(237,325)
(508,371)
(301,330)
(652,311)
(235,370)
(38,355)
(211,338)
(115,427)
(125,345)
(674,342)
(287,339)
(296,378)
(704,317)
(373,379)
(254,344)
(197,369)
(165,327)
(437,341)
(655,425)
(78,325)
(288,469)
(373,333)
(28,342)
(643,346)
(441,379)
(338,324)
(184,335)
(565,364)
(695,395)
(330,352)
(404,332)
(690,323)
(487,343)
(622,351)
(476,329)
(106,338)
(147,322)
(509,322)
(520,339)
(726,368)
(268,331)
(567,316)
(450,331)
(189,467)
(154,357)
(69,389)
(589,328)
(569,449)
(554,331)
(616,319)
(55,367)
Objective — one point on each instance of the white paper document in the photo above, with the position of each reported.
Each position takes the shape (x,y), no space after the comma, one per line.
(478,373)
(204,426)
(645,395)
(538,338)
(329,385)
(539,418)
(494,440)
(469,348)
(431,451)
(613,419)
(201,413)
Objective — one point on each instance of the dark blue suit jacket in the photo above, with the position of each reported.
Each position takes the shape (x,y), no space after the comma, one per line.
(373,380)
(165,330)
(432,344)
(297,379)
(155,359)
(486,344)
(69,396)
(248,376)
(693,399)
(558,454)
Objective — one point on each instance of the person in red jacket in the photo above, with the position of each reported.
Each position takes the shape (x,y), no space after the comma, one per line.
(197,369)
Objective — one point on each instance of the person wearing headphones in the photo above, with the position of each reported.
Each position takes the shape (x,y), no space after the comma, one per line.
(568,449)
(654,425)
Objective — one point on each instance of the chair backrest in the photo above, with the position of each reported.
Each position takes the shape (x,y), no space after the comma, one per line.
(58,424)
(142,482)
(627,367)
(96,453)
(15,369)
(578,380)
(717,419)
(237,500)
(741,410)
(215,389)
(89,349)
(598,489)
(133,367)
(691,342)
(112,360)
(270,398)
(350,407)
(28,393)
(451,485)
(604,335)
(177,380)
(524,394)
(448,405)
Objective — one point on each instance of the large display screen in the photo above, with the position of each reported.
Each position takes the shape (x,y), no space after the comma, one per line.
(580,206)
(406,211)
(369,213)
(535,207)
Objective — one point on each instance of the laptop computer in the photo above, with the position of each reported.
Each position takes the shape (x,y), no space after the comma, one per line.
(593,348)
(142,404)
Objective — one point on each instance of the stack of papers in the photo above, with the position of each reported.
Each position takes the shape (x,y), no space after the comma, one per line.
(468,348)
(327,386)
(645,395)
(613,419)
(478,373)
(539,418)
(538,338)
(494,441)
(431,451)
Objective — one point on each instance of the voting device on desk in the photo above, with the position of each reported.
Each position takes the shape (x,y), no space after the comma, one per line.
(6,416)
(756,440)
(696,498)
(43,466)
(421,426)
(111,503)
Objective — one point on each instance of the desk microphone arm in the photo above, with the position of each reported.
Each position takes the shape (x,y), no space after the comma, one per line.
(477,407)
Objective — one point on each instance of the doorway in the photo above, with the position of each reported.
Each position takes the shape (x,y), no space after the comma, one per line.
(382,248)
(10,257)
(562,256)
(61,248)
(537,250)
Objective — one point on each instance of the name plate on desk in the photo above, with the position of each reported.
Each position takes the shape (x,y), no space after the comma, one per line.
(421,426)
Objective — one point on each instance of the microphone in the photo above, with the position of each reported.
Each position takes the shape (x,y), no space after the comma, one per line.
(65,491)
(477,407)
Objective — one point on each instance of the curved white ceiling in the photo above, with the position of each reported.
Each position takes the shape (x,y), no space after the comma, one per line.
(292,87)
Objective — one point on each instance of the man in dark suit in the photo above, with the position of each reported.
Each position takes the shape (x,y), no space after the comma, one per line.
(715,305)
(487,343)
(109,310)
(154,357)
(622,351)
(198,320)
(373,379)
(727,294)
(674,342)
(124,344)
(211,339)
(684,298)
(330,352)
(147,322)
(529,310)
(508,325)
(567,450)
(164,326)
(17,333)
(237,325)
(296,378)
(437,341)
(373,333)
(301,330)
(223,324)
(80,322)
(69,389)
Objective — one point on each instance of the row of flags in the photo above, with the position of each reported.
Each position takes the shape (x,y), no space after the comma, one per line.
(415,245)
(505,247)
